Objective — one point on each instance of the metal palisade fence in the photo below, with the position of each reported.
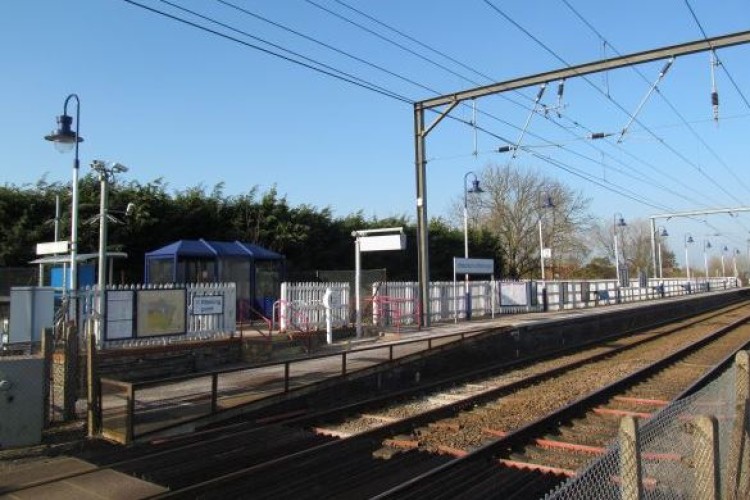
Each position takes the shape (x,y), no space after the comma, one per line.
(301,306)
(395,303)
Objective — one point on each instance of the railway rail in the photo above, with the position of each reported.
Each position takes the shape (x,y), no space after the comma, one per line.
(401,449)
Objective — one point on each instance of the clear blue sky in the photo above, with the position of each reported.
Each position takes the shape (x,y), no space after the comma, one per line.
(170,101)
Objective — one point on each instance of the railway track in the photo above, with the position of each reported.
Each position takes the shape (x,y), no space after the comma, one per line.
(380,447)
(477,472)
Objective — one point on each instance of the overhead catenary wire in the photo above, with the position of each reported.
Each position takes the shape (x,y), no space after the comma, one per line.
(373,88)
(337,76)
(684,121)
(505,122)
(718,61)
(274,45)
(380,23)
(670,148)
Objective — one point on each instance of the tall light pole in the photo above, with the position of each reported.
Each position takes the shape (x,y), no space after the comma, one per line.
(734,260)
(474,189)
(706,246)
(65,139)
(723,251)
(662,234)
(618,221)
(106,175)
(547,204)
(688,239)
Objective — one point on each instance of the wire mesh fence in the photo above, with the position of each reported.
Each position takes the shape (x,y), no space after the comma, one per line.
(685,451)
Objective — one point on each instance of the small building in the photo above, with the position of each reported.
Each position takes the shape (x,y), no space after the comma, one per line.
(256,271)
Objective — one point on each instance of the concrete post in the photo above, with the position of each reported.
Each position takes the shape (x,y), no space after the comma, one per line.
(706,458)
(93,410)
(48,348)
(742,381)
(630,460)
(738,457)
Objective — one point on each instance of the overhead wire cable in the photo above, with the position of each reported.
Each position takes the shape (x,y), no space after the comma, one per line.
(613,101)
(399,32)
(324,44)
(390,94)
(337,75)
(663,97)
(720,62)
(274,45)
(674,109)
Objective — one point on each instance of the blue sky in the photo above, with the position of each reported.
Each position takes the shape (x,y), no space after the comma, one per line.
(170,101)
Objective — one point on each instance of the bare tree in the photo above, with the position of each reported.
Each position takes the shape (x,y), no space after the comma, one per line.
(634,241)
(511,209)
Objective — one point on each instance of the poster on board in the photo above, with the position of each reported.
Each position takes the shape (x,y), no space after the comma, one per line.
(160,312)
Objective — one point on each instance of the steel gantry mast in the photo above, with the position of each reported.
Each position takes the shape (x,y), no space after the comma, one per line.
(450,101)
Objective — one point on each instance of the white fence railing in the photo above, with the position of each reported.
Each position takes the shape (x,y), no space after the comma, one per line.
(301,306)
(395,303)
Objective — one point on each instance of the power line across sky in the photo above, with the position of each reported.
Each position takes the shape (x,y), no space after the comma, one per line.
(314,96)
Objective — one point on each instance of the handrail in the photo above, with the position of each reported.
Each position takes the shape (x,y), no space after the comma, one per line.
(130,388)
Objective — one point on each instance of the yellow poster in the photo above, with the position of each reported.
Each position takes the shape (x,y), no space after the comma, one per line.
(160,312)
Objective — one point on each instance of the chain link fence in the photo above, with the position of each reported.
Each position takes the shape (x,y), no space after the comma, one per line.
(695,448)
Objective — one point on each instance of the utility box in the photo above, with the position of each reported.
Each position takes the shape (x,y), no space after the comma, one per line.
(32,308)
(21,400)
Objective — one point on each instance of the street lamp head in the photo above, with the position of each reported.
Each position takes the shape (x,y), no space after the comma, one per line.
(475,188)
(689,239)
(708,244)
(64,137)
(725,248)
(621,222)
(664,232)
(548,203)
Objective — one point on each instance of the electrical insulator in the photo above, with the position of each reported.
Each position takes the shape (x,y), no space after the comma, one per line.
(715,104)
(666,68)
(541,92)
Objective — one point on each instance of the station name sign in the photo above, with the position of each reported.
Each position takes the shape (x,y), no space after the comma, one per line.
(208,304)
(473,266)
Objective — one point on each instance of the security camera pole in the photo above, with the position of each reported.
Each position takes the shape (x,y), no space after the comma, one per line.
(106,175)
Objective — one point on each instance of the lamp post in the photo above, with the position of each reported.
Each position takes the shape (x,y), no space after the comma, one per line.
(734,261)
(662,233)
(723,251)
(547,204)
(688,240)
(475,189)
(65,139)
(706,246)
(618,221)
(106,175)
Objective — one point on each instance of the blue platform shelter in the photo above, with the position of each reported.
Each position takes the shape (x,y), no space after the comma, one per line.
(257,271)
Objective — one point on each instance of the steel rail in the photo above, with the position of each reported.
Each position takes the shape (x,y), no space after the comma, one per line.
(533,429)
(378,434)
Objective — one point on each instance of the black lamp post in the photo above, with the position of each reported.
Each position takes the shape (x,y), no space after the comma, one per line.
(65,139)
(474,189)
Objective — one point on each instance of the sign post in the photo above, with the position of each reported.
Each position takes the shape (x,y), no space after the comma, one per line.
(392,238)
(470,266)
